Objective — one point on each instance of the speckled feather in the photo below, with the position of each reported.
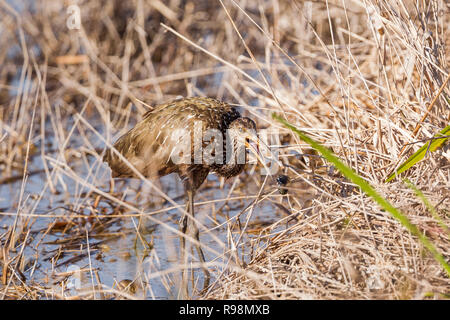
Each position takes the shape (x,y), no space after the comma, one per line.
(149,145)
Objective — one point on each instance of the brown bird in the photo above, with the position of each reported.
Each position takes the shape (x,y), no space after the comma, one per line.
(192,137)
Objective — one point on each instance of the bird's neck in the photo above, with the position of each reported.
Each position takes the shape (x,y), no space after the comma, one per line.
(230,170)
(235,159)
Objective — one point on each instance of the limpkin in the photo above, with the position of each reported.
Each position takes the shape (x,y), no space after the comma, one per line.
(151,145)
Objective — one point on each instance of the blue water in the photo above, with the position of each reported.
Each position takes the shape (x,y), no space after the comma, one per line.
(122,257)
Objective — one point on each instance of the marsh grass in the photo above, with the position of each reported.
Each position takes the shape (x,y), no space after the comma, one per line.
(360,77)
(370,191)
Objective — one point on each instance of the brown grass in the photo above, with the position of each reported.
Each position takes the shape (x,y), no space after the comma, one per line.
(356,75)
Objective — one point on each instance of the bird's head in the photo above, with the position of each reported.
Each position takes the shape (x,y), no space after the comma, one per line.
(243,132)
(242,126)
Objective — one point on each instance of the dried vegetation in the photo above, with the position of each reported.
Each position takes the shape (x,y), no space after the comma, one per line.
(357,75)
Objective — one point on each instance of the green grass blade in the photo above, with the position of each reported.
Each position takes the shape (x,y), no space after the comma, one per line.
(431,145)
(428,204)
(367,188)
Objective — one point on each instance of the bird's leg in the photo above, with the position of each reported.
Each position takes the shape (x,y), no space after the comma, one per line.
(188,227)
(183,227)
(191,230)
(195,232)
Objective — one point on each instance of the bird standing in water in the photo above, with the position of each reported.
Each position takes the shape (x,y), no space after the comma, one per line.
(154,146)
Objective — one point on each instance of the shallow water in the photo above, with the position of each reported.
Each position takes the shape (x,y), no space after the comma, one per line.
(116,252)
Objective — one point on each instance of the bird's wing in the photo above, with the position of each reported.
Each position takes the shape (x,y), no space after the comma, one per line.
(163,138)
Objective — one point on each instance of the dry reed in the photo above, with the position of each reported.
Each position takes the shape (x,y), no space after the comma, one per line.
(357,75)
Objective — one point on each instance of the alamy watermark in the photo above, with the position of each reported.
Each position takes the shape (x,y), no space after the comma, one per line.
(74,17)
(211,146)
